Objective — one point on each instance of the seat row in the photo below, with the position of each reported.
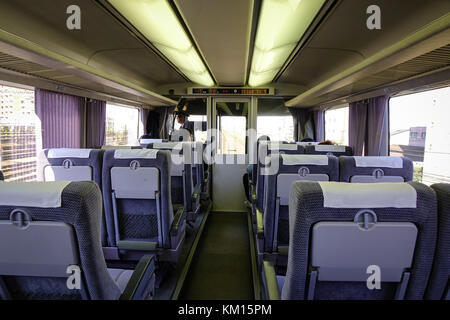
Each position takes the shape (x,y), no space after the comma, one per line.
(50,246)
(272,220)
(364,241)
(148,194)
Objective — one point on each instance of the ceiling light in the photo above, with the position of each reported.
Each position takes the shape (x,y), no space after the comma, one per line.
(281,25)
(156,21)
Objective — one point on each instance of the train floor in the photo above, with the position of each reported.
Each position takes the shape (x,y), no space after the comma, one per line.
(221,267)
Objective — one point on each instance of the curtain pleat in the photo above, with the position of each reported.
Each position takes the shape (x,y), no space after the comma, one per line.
(357,126)
(376,112)
(96,121)
(62,119)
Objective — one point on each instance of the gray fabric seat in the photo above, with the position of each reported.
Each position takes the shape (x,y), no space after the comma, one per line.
(138,206)
(50,229)
(278,184)
(340,230)
(375,169)
(184,190)
(265,150)
(61,164)
(439,285)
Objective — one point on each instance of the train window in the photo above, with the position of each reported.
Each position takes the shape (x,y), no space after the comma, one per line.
(122,125)
(419,131)
(18,139)
(274,120)
(336,125)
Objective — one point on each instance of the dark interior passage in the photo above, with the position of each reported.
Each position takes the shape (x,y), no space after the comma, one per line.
(221,267)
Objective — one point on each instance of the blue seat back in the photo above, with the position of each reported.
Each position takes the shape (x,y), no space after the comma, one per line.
(375,169)
(278,184)
(48,229)
(341,233)
(137,198)
(439,285)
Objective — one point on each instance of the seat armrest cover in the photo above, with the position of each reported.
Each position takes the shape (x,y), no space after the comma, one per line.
(259,224)
(141,284)
(177,221)
(270,279)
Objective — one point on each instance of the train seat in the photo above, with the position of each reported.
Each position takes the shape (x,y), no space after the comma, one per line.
(358,241)
(265,150)
(375,169)
(274,235)
(439,285)
(50,246)
(184,192)
(71,164)
(138,208)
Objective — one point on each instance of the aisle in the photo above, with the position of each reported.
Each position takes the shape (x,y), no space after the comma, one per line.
(221,267)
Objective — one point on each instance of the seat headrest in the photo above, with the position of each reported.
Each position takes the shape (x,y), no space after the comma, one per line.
(329,148)
(148,141)
(311,143)
(135,154)
(282,146)
(168,145)
(386,162)
(368,195)
(32,194)
(304,159)
(116,147)
(68,153)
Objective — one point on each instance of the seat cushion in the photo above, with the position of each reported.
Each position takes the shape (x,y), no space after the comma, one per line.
(121,277)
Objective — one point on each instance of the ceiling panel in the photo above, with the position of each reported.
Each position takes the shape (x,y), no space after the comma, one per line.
(222,32)
(344,40)
(102,41)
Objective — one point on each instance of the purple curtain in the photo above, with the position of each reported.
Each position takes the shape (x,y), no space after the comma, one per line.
(62,119)
(319,125)
(302,123)
(95,123)
(376,112)
(357,126)
(144,117)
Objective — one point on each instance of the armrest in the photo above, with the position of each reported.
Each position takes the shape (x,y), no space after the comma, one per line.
(253,193)
(270,279)
(177,221)
(259,224)
(140,285)
(196,192)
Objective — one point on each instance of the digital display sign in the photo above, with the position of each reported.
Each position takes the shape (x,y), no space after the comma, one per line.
(231,91)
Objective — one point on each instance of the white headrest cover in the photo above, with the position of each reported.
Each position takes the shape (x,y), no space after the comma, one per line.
(115,147)
(68,153)
(148,141)
(329,148)
(284,146)
(387,162)
(168,145)
(306,159)
(368,195)
(135,154)
(32,194)
(307,143)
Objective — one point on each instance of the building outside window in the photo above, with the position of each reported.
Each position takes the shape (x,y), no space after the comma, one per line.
(18,139)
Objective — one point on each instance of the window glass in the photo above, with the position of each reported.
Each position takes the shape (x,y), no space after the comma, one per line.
(232,126)
(274,120)
(18,139)
(122,125)
(419,131)
(336,125)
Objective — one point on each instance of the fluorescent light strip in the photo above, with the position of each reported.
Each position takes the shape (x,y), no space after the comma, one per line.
(157,22)
(281,25)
